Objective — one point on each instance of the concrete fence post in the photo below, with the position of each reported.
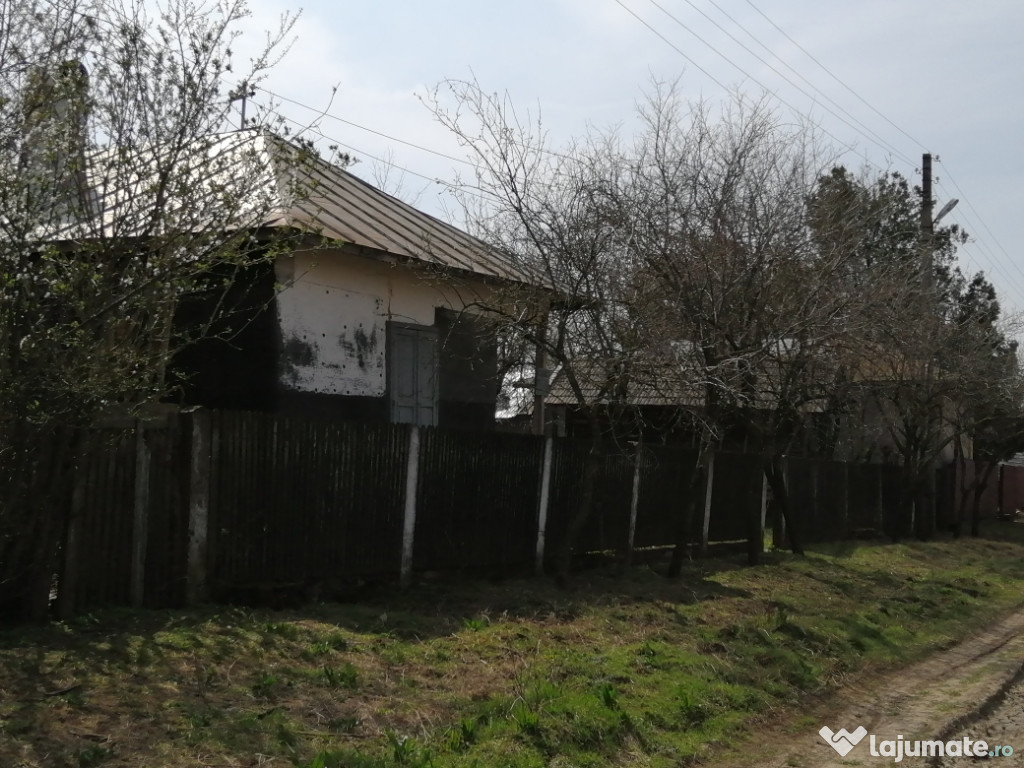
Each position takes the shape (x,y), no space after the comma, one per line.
(544,498)
(708,488)
(764,503)
(634,504)
(412,468)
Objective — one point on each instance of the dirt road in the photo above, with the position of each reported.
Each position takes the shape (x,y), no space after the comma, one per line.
(974,690)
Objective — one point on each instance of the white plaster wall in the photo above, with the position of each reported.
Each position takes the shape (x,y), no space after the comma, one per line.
(333,308)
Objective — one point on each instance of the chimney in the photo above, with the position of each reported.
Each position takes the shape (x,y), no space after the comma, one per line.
(55,107)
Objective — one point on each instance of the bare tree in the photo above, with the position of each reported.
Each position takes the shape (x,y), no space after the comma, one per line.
(681,264)
(743,295)
(716,261)
(544,209)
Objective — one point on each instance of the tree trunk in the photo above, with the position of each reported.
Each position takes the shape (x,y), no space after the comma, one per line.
(777,480)
(755,537)
(685,520)
(592,467)
(979,490)
(959,502)
(902,525)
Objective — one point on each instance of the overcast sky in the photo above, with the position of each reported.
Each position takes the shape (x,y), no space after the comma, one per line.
(914,76)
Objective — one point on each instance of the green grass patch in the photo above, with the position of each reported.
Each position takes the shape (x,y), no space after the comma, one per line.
(622,669)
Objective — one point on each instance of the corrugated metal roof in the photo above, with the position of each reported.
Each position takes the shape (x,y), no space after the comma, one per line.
(660,383)
(339,205)
(652,385)
(299,190)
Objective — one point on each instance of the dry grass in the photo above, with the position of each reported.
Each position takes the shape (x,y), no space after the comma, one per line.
(622,669)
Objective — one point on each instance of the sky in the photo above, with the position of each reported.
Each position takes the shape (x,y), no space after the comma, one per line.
(887,80)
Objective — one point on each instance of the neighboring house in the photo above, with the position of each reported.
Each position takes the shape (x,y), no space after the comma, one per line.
(656,402)
(371,318)
(665,401)
(891,399)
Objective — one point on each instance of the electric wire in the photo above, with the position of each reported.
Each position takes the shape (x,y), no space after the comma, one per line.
(672,45)
(374,131)
(972,223)
(862,130)
(809,55)
(450,186)
(996,263)
(845,145)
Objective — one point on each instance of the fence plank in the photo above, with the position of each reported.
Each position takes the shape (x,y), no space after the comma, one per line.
(664,497)
(473,486)
(736,497)
(199,433)
(236,500)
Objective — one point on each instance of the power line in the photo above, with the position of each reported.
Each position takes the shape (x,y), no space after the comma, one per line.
(672,45)
(996,264)
(809,55)
(971,218)
(451,187)
(366,128)
(879,140)
(774,95)
(322,135)
(863,130)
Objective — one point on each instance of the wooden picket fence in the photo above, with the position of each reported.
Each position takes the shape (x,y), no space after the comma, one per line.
(217,504)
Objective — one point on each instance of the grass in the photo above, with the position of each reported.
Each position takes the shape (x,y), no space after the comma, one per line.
(624,669)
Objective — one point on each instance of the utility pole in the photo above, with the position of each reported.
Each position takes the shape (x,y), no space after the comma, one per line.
(927,227)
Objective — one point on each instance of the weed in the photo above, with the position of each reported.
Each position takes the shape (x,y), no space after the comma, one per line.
(320,761)
(319,648)
(537,694)
(335,641)
(465,734)
(344,724)
(694,707)
(344,758)
(325,645)
(395,656)
(266,685)
(342,677)
(16,727)
(92,755)
(196,718)
(285,735)
(608,695)
(405,751)
(527,720)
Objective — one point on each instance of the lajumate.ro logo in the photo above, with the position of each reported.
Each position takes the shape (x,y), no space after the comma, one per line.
(844,741)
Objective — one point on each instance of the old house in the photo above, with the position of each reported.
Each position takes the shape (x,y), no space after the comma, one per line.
(369,316)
